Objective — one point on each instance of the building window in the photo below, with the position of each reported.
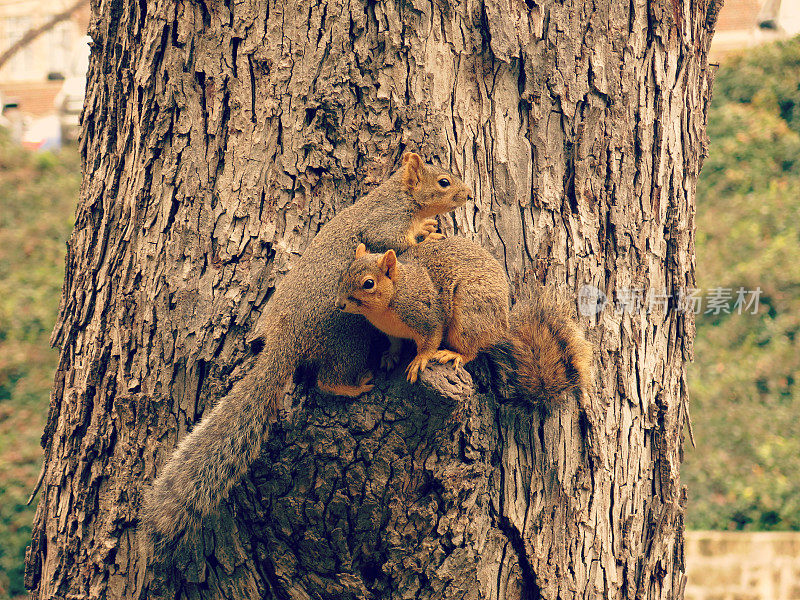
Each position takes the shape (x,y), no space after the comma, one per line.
(23,62)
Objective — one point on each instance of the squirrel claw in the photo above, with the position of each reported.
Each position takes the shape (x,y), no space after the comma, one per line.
(389,360)
(351,391)
(428,229)
(445,356)
(365,384)
(418,364)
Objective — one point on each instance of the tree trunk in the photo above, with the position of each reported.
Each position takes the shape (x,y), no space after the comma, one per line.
(219,137)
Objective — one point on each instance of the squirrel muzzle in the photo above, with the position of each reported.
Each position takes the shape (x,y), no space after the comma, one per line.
(348,304)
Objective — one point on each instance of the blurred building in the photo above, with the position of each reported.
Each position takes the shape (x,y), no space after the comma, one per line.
(48,55)
(742,565)
(32,78)
(746,23)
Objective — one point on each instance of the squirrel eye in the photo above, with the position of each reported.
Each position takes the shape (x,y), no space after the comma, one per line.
(368,284)
(444,182)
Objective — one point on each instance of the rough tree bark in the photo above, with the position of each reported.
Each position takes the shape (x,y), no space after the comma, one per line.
(218,138)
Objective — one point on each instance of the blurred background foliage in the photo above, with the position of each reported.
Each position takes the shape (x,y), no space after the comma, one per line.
(38,193)
(743,474)
(743,384)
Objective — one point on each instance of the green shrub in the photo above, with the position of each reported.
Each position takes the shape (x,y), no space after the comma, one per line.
(743,385)
(765,77)
(37,204)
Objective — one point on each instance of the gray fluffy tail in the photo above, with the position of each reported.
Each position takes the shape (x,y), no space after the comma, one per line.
(217,453)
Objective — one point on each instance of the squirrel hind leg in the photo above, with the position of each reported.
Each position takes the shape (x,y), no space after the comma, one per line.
(344,368)
(479,320)
(342,389)
(391,356)
(467,339)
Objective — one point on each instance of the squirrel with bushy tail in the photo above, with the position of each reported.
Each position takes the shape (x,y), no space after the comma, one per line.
(300,326)
(451,298)
(448,295)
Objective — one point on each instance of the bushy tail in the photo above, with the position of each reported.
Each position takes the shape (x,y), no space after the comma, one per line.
(545,353)
(217,453)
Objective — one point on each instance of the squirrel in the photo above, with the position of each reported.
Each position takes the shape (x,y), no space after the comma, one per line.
(300,327)
(453,292)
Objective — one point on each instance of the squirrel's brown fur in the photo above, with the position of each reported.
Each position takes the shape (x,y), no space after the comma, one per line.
(551,354)
(301,325)
(451,298)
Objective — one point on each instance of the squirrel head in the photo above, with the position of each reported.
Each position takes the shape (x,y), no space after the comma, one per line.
(368,283)
(435,191)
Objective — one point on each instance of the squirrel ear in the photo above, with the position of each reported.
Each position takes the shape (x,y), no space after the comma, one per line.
(361,251)
(412,169)
(388,263)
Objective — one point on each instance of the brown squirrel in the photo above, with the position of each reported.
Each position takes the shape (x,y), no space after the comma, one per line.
(300,327)
(454,292)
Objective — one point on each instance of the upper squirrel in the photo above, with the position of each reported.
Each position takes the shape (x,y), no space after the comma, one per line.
(300,326)
(454,292)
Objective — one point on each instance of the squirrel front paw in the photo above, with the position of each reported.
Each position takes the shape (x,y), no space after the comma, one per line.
(445,356)
(427,230)
(423,230)
(390,359)
(417,364)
